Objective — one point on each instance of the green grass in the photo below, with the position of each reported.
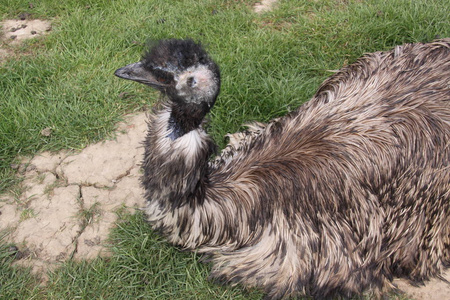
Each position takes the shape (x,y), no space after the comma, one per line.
(270,64)
(15,283)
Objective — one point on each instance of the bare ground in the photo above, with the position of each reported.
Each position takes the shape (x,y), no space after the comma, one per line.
(69,200)
(264,6)
(19,30)
(16,31)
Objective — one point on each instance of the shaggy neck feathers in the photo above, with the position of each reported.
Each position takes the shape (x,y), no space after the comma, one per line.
(175,160)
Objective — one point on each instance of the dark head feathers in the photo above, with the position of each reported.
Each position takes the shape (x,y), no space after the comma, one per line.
(180,69)
(174,55)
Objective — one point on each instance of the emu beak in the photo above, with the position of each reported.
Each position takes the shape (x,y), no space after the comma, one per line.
(138,73)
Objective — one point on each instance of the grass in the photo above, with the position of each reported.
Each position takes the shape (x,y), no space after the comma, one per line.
(270,64)
(15,283)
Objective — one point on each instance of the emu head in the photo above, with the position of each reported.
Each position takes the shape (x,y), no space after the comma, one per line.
(180,69)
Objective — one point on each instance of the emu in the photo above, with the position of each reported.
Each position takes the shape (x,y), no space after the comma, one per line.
(335,198)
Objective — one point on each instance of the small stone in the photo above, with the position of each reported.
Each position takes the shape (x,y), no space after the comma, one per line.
(22,254)
(31,167)
(13,250)
(13,37)
(33,32)
(24,16)
(124,95)
(92,242)
(46,131)
(15,253)
(61,256)
(22,168)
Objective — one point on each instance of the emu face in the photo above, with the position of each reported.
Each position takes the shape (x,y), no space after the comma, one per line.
(181,69)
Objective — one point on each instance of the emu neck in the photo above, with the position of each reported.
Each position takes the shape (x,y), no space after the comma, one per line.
(182,201)
(184,118)
(176,157)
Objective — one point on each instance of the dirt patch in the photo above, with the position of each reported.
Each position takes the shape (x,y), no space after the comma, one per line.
(435,289)
(16,31)
(19,30)
(264,6)
(69,200)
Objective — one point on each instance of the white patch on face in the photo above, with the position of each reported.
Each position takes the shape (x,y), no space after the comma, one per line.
(196,84)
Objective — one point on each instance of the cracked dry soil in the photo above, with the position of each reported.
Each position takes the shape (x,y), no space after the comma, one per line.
(69,200)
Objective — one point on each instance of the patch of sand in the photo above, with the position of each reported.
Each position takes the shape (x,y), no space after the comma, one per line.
(19,30)
(69,200)
(16,31)
(264,6)
(435,289)
(3,54)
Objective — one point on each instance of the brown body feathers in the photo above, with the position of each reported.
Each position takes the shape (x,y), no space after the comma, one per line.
(338,197)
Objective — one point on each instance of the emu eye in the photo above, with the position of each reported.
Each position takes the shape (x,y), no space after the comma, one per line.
(191,82)
(162,80)
(162,76)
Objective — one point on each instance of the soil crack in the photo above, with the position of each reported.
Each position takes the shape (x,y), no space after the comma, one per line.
(69,200)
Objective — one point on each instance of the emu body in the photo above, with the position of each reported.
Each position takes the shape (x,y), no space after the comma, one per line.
(337,197)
